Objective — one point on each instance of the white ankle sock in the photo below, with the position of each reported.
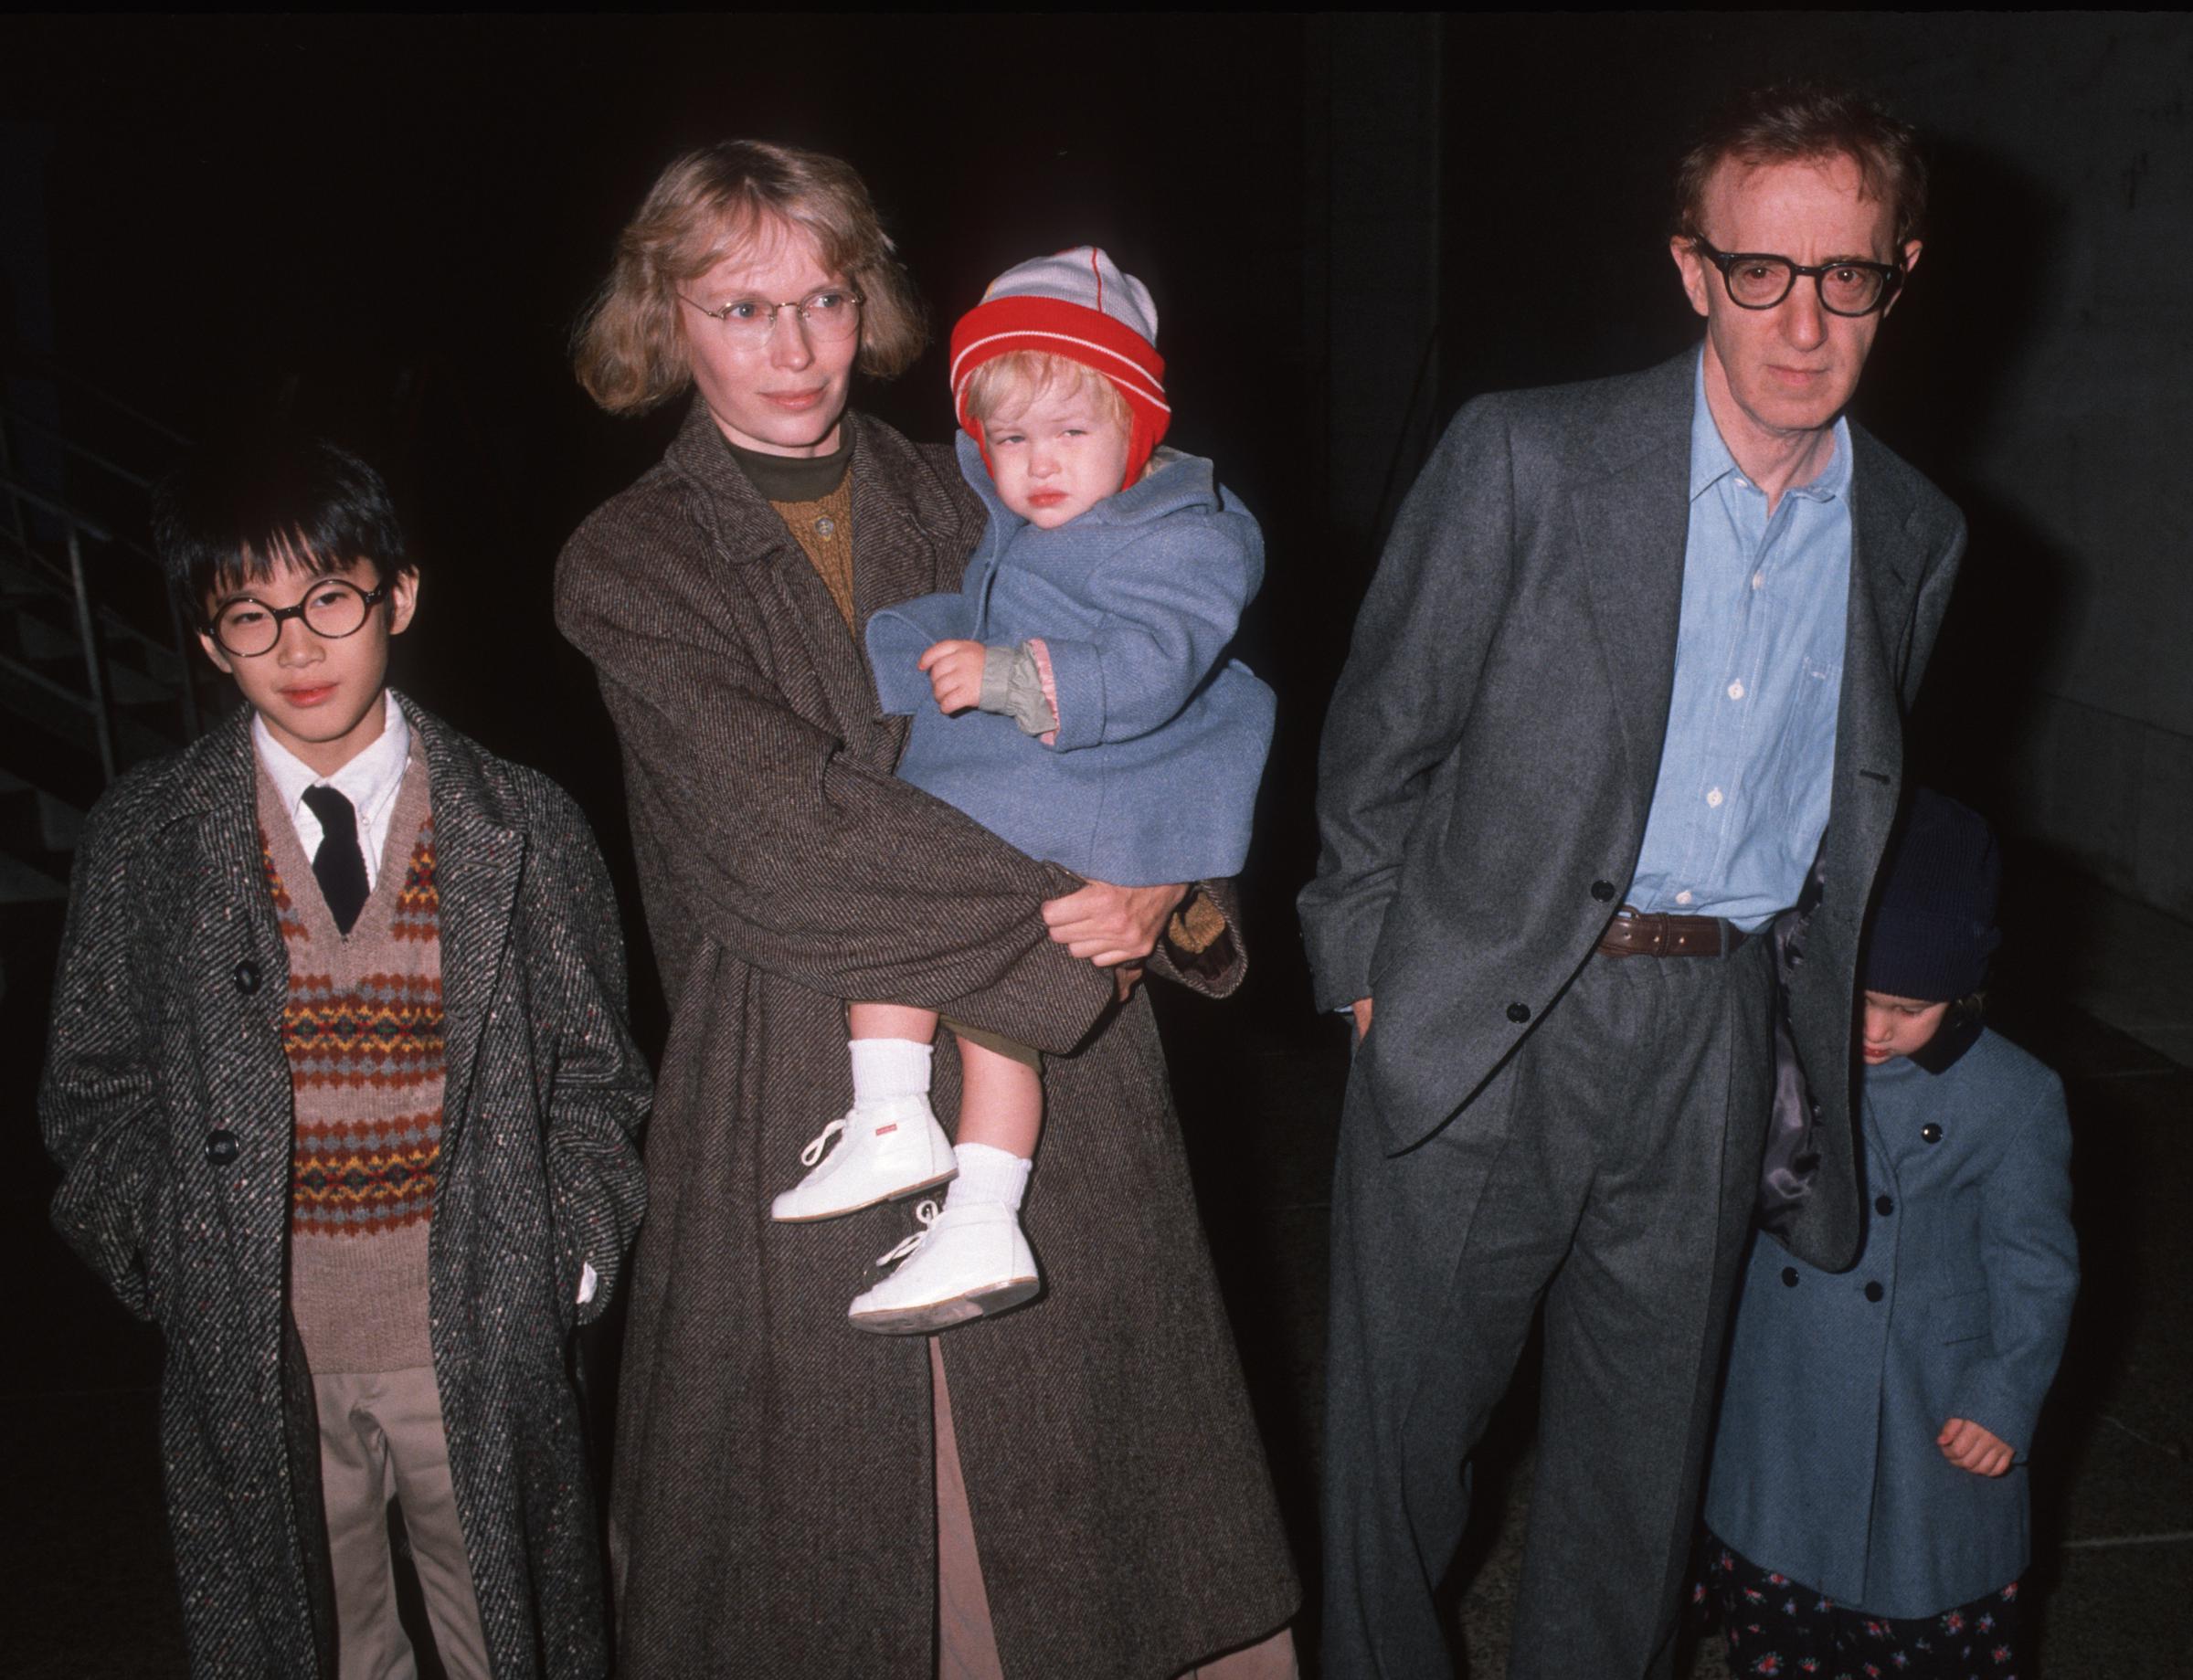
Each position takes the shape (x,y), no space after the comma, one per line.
(990,1175)
(884,1068)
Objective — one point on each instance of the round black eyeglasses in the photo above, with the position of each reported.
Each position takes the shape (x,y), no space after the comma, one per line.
(332,609)
(1760,279)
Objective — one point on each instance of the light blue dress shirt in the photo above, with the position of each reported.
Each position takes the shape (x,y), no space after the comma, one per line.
(1746,768)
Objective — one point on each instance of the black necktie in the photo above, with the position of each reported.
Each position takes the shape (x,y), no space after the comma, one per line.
(339,864)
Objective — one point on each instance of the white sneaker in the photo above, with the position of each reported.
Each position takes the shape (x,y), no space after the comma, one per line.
(971,1262)
(890,1148)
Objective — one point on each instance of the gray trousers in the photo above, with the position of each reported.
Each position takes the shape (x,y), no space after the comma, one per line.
(1608,1167)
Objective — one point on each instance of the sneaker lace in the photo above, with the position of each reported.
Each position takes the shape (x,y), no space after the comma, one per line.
(926,1212)
(814,1152)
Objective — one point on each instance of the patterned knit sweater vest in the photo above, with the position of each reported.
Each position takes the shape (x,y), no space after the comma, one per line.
(363,1030)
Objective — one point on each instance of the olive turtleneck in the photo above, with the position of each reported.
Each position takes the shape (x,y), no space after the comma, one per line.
(795,478)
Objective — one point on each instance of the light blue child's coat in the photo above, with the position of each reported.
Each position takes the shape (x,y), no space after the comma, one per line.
(1825,1467)
(1152,775)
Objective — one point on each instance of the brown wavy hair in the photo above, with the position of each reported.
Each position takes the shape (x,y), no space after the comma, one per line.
(628,349)
(1808,121)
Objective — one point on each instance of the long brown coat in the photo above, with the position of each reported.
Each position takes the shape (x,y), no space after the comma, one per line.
(773,1502)
(167,1105)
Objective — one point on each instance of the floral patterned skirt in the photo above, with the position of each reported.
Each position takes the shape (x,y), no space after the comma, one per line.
(1777,1626)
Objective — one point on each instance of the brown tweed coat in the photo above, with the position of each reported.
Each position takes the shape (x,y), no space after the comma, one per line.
(167,1104)
(773,1507)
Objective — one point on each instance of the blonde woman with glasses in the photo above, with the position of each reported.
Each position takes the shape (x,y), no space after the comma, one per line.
(793,1497)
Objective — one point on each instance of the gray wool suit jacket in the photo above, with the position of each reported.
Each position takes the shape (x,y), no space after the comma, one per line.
(1490,759)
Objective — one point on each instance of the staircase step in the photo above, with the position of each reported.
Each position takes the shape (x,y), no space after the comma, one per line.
(25,883)
(28,696)
(34,821)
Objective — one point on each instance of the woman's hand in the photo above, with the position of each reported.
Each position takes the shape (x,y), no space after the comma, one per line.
(1969,1447)
(1108,926)
(955,672)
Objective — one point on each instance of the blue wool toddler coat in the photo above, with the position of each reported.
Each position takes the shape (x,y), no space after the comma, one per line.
(1152,772)
(1825,1468)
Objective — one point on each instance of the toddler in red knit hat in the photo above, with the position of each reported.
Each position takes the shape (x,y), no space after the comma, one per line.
(1076,698)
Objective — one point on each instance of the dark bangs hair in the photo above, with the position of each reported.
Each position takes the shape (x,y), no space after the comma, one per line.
(233,514)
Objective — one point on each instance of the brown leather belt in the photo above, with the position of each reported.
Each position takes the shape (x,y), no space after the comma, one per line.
(1631,934)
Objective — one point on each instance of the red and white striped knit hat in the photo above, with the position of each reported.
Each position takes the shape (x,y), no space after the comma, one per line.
(1080,306)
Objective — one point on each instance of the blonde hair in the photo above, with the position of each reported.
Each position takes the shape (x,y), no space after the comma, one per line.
(628,349)
(1008,383)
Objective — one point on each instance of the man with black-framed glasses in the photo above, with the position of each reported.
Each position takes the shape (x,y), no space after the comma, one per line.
(1628,685)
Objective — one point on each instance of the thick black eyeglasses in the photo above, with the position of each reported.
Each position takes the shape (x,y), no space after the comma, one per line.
(332,609)
(1760,279)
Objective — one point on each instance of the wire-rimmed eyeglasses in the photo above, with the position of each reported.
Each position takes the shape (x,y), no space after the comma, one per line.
(834,312)
(331,609)
(1760,279)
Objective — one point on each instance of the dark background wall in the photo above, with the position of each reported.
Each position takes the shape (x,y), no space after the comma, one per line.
(385,226)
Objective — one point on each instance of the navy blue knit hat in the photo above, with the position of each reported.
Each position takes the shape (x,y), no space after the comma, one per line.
(1934,924)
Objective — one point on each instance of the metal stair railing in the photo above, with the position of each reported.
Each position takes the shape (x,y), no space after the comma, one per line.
(39,523)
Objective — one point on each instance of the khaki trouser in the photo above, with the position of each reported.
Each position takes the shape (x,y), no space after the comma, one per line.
(381,1433)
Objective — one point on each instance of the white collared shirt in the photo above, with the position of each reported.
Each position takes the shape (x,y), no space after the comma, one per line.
(370,782)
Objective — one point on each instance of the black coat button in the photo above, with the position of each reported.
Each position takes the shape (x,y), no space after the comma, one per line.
(220,1148)
(1519,1013)
(1883,1206)
(1931,1132)
(247,976)
(1874,1292)
(1603,890)
(1789,1277)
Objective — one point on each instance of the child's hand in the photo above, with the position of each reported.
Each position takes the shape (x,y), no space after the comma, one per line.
(1969,1447)
(955,671)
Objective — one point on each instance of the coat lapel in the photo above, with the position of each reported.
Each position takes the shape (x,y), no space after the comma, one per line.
(1869,731)
(1869,735)
(1631,520)
(478,864)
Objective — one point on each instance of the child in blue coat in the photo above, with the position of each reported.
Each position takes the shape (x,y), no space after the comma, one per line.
(1076,699)
(1866,1506)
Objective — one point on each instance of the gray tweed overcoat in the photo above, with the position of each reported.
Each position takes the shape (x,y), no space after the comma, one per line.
(166,1103)
(773,1510)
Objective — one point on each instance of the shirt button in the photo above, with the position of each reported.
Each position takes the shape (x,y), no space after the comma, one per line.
(1736,689)
(1758,578)
(1883,1206)
(1683,897)
(220,1148)
(1789,1277)
(1874,1292)
(1519,1013)
(825,525)
(245,975)
(1931,1133)
(1714,798)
